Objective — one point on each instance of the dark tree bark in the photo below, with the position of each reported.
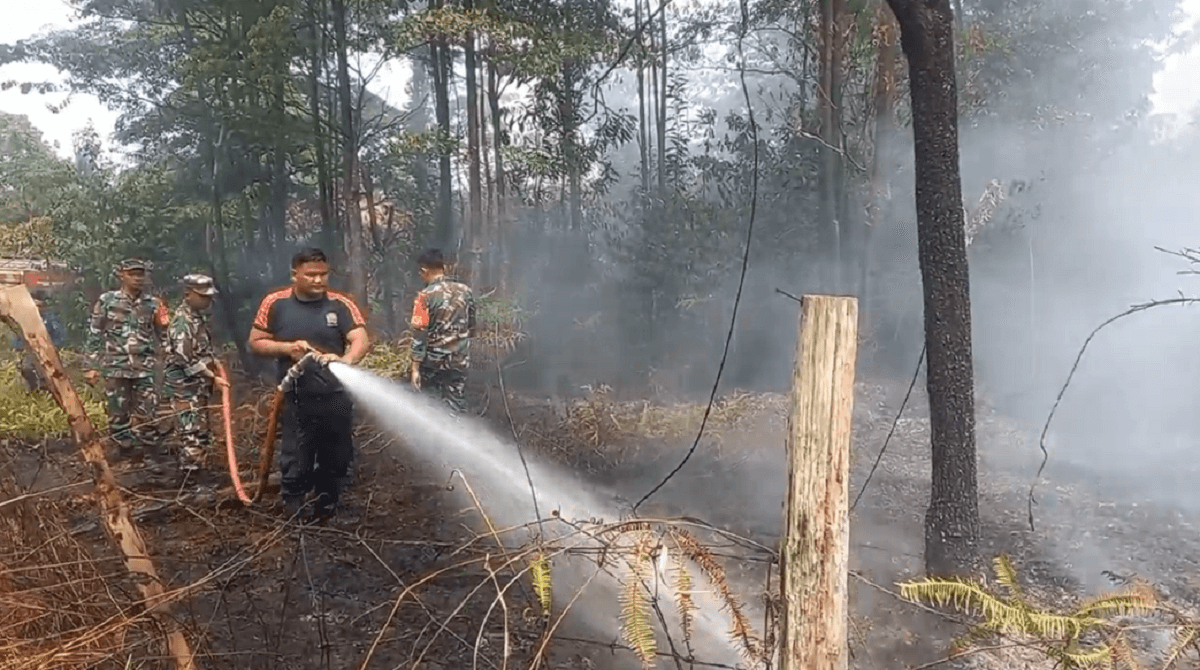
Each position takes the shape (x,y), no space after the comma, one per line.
(474,180)
(952,521)
(316,57)
(445,234)
(662,101)
(884,95)
(354,228)
(829,104)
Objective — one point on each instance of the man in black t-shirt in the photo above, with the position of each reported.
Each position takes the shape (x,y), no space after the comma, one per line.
(317,417)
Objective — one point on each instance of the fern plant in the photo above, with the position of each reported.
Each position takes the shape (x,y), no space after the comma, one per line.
(645,554)
(1063,635)
(539,571)
(636,625)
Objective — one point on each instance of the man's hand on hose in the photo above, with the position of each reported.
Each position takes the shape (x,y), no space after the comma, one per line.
(326,359)
(416,377)
(221,382)
(298,349)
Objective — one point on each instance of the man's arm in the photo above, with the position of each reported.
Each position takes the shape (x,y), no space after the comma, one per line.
(470,312)
(183,347)
(162,321)
(261,343)
(357,345)
(419,323)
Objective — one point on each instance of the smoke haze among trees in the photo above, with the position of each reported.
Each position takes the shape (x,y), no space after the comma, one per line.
(592,162)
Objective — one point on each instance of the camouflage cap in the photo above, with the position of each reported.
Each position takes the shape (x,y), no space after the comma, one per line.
(202,284)
(135,264)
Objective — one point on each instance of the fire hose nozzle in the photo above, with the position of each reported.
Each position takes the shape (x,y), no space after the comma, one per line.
(294,372)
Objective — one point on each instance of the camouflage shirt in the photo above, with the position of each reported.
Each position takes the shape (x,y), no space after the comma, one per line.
(123,333)
(442,321)
(191,349)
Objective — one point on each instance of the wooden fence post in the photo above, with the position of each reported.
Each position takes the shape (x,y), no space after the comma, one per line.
(815,552)
(17,308)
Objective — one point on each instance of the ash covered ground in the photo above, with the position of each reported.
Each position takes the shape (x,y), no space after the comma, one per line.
(269,595)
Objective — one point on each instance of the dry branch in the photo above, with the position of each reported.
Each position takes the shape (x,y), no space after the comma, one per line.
(18,309)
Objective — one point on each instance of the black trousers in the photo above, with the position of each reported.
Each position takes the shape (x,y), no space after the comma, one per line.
(316,431)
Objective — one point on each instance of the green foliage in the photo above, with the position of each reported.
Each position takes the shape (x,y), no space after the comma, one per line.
(497,311)
(31,175)
(534,49)
(36,416)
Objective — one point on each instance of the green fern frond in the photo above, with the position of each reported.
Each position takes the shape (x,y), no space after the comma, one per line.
(1185,638)
(684,586)
(539,572)
(636,626)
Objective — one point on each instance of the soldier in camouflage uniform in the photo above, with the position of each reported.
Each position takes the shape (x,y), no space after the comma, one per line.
(442,320)
(191,370)
(126,329)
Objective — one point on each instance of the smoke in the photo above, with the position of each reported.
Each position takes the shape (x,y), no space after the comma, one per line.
(1093,184)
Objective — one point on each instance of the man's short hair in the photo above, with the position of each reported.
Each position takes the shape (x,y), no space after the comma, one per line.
(309,255)
(432,259)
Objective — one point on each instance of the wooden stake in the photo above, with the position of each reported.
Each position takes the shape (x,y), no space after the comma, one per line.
(815,555)
(18,309)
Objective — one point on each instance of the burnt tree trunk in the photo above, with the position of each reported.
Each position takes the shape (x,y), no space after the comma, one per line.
(952,521)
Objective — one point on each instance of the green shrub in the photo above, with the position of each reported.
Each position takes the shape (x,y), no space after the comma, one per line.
(25,415)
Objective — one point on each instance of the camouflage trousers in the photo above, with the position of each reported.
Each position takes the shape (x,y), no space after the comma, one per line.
(192,401)
(449,384)
(131,405)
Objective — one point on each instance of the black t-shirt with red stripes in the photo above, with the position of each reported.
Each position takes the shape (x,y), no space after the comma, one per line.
(324,323)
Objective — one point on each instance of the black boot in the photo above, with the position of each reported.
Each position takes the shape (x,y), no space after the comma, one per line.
(292,507)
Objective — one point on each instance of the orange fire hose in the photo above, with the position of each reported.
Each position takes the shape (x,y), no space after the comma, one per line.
(227,413)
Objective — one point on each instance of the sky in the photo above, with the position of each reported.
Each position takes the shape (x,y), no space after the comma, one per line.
(1177,90)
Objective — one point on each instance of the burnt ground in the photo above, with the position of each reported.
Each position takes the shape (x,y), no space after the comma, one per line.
(270,594)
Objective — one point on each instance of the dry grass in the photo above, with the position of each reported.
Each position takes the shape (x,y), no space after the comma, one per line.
(61,604)
(597,419)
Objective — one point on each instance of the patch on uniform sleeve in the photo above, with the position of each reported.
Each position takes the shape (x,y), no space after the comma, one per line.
(161,316)
(331,319)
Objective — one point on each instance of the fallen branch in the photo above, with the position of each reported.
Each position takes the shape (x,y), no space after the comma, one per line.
(18,309)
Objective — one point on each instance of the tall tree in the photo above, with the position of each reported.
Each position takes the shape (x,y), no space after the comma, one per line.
(354,227)
(884,103)
(475,181)
(952,520)
(833,16)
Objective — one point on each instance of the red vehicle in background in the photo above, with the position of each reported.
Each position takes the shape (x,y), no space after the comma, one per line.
(38,275)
